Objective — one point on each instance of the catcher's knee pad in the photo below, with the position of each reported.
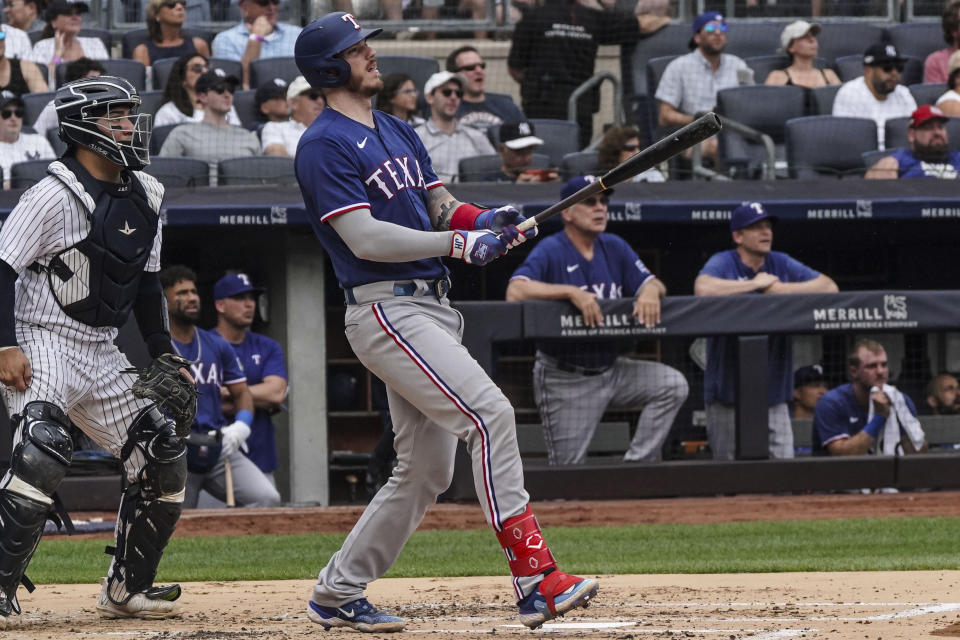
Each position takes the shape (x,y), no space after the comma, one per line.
(37,466)
(523,543)
(164,472)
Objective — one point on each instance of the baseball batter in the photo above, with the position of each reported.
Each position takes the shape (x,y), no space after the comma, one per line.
(385,219)
(80,251)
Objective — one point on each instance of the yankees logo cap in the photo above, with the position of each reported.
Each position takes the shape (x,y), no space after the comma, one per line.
(233,284)
(519,135)
(808,375)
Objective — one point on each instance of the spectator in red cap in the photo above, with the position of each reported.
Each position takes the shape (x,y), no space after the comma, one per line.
(928,155)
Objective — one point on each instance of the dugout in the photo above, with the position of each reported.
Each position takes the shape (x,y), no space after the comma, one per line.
(866,235)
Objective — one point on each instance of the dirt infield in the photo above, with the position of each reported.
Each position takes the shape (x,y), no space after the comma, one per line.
(837,606)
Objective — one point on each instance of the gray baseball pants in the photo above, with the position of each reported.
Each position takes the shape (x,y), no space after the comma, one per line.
(721,431)
(437,394)
(251,487)
(572,404)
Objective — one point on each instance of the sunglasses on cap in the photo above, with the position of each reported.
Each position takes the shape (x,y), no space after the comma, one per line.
(472,67)
(714,27)
(448,92)
(6,113)
(592,200)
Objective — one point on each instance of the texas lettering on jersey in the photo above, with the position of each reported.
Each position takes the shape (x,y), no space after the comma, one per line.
(395,175)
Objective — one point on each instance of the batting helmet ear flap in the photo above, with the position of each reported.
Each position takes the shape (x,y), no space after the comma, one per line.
(319,44)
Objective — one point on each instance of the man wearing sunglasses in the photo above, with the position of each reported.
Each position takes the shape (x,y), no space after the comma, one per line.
(690,83)
(480,108)
(575,382)
(213,138)
(877,94)
(305,104)
(258,36)
(15,145)
(446,138)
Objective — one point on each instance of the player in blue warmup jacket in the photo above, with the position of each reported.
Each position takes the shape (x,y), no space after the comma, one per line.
(575,382)
(386,221)
(752,267)
(213,365)
(262,360)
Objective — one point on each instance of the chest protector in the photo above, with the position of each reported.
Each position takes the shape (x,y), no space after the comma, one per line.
(95,281)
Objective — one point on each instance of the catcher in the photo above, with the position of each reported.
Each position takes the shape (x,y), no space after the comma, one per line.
(78,254)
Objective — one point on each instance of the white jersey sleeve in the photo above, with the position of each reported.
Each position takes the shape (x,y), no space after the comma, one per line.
(35,226)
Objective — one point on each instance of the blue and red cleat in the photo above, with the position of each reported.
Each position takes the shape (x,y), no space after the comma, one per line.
(556,594)
(359,615)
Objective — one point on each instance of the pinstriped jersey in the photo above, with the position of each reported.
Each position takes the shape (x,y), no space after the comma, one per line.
(50,217)
(343,165)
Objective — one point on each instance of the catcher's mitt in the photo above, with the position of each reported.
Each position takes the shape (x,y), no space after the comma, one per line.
(172,391)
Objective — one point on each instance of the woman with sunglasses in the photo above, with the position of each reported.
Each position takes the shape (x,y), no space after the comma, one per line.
(165,20)
(61,41)
(180,102)
(618,144)
(399,98)
(19,76)
(799,41)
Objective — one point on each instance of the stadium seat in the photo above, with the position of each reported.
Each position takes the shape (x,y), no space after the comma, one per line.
(669,41)
(474,168)
(246,106)
(820,146)
(26,174)
(823,98)
(916,38)
(871,158)
(256,170)
(159,135)
(579,163)
(655,69)
(33,104)
(850,67)
(265,69)
(560,137)
(150,101)
(180,172)
(763,65)
(53,137)
(847,38)
(748,39)
(895,133)
(927,93)
(420,68)
(763,108)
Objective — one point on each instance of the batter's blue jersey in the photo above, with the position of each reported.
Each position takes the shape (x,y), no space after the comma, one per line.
(719,378)
(261,357)
(343,165)
(213,364)
(838,416)
(616,271)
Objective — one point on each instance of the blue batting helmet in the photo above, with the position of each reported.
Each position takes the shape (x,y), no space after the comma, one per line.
(320,42)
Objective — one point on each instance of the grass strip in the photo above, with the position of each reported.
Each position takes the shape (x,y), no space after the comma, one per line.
(884,544)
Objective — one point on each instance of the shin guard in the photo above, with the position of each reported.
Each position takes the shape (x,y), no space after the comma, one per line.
(523,543)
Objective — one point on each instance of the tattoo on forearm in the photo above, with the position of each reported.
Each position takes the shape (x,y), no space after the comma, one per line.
(446,204)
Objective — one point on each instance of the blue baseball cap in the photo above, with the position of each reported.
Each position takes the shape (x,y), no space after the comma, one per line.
(748,214)
(573,185)
(233,284)
(706,17)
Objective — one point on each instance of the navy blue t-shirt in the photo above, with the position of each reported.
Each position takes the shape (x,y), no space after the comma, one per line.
(343,165)
(720,377)
(838,416)
(616,271)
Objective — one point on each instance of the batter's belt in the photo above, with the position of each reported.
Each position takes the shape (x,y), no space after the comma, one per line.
(374,291)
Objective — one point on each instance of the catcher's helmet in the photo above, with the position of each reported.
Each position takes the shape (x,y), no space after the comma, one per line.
(81,103)
(320,42)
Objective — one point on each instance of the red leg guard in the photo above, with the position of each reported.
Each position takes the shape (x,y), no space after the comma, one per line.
(526,550)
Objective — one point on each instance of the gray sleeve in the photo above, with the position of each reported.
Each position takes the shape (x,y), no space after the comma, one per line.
(372,239)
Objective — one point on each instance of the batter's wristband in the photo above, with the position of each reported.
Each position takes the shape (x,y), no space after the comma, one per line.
(245,417)
(465,216)
(873,427)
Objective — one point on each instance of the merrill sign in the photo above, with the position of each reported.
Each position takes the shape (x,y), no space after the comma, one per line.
(614,324)
(893,315)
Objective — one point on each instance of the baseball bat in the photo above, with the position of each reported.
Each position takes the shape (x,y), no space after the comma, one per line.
(228,480)
(694,133)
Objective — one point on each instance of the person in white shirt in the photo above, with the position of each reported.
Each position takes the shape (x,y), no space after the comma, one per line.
(61,40)
(18,43)
(877,94)
(949,102)
(306,103)
(16,146)
(82,68)
(181,103)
